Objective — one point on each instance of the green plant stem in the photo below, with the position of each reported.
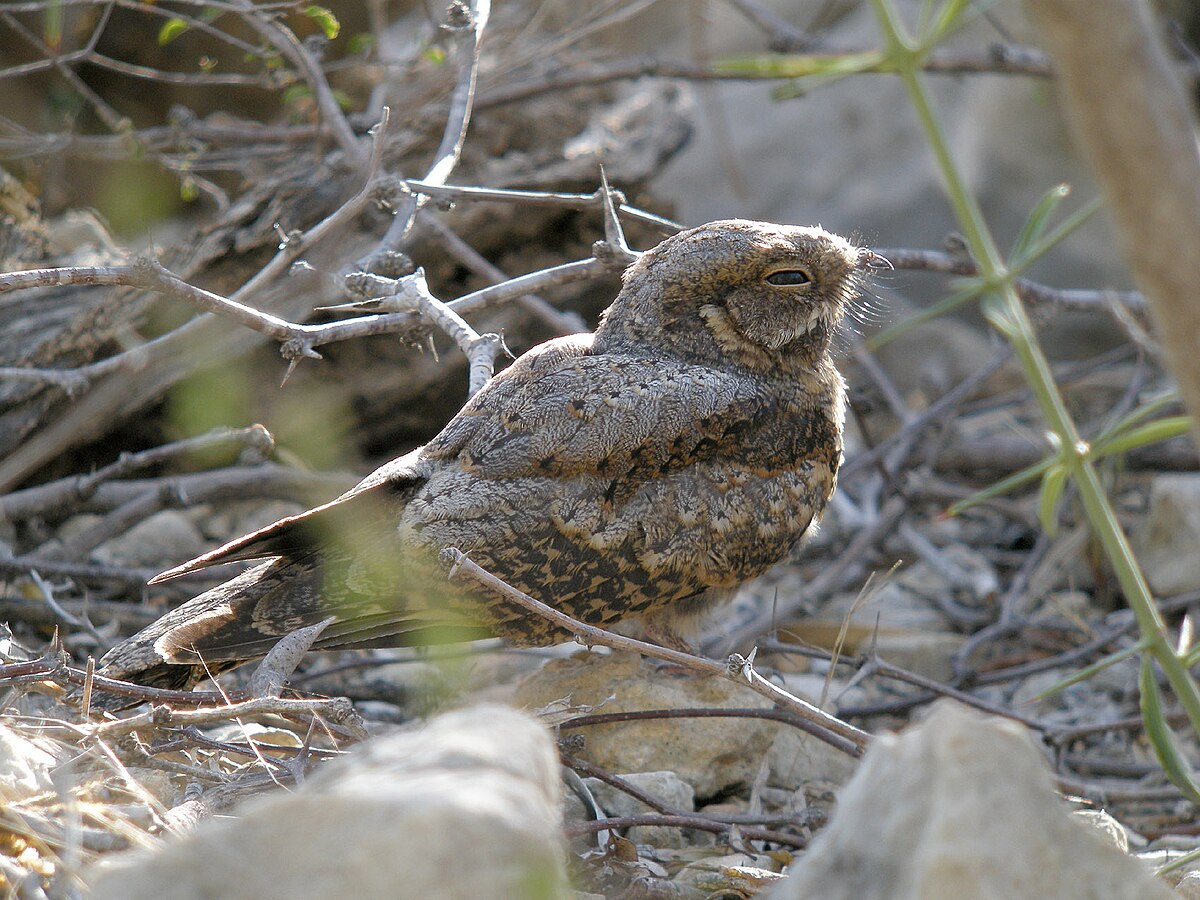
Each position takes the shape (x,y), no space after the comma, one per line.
(1015,324)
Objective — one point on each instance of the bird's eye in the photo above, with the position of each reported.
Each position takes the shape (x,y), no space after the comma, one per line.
(788,277)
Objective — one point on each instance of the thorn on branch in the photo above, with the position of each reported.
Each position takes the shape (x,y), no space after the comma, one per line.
(459,16)
(294,350)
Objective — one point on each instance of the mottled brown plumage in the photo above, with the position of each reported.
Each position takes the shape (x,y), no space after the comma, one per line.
(644,471)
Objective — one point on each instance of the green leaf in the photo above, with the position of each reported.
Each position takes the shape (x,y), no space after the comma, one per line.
(325,20)
(1088,671)
(171,29)
(1174,766)
(295,93)
(435,55)
(1041,245)
(52,25)
(1144,411)
(1179,862)
(995,309)
(1035,225)
(1053,484)
(971,288)
(1004,486)
(188,190)
(947,20)
(1144,435)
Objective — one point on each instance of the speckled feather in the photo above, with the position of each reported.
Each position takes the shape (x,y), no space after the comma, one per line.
(644,471)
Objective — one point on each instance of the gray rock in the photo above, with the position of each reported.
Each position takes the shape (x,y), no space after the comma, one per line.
(1106,826)
(1188,887)
(713,755)
(961,805)
(666,787)
(735,875)
(1167,544)
(797,758)
(927,653)
(467,807)
(166,538)
(246,516)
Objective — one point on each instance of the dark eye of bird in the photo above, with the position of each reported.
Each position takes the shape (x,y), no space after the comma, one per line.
(788,277)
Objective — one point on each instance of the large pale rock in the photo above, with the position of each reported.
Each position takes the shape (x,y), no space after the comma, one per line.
(960,806)
(714,755)
(1167,544)
(467,807)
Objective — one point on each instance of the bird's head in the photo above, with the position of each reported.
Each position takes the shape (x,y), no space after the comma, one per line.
(758,294)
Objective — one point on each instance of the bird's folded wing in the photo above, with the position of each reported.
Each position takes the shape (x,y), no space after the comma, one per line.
(299,534)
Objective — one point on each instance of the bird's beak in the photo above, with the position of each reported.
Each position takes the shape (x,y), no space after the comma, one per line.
(869,259)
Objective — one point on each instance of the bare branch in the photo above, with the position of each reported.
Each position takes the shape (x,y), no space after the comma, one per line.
(1000,59)
(541,198)
(590,635)
(1075,300)
(469,34)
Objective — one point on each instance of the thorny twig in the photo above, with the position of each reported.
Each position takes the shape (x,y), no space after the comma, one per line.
(336,709)
(738,668)
(467,24)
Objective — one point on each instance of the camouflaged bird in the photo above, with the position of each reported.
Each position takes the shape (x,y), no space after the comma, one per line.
(644,471)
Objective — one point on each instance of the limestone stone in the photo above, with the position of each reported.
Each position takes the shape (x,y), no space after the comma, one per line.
(961,805)
(666,787)
(714,755)
(467,807)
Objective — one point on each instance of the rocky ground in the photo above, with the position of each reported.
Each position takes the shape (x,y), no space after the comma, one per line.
(975,646)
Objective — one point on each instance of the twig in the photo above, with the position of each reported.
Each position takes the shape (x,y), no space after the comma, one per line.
(594,771)
(130,616)
(24,564)
(696,822)
(468,37)
(738,668)
(1033,293)
(775,715)
(337,709)
(301,340)
(166,359)
(76,489)
(562,321)
(262,480)
(782,35)
(285,40)
(1001,59)
(541,198)
(940,409)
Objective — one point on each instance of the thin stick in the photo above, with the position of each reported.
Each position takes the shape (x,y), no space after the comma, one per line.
(738,667)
